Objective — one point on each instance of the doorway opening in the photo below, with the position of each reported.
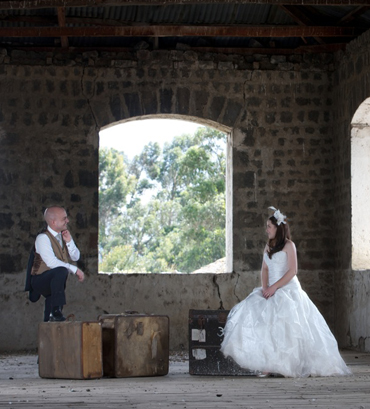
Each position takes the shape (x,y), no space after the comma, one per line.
(360,186)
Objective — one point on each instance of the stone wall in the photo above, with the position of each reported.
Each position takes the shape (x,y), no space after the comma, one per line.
(279,110)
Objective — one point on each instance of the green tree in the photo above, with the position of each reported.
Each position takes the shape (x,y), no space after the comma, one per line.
(182,225)
(114,185)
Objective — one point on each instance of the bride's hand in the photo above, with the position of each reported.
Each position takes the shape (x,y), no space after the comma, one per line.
(269,292)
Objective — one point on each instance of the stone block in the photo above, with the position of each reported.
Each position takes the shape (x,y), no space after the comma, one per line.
(88,178)
(81,221)
(133,105)
(149,102)
(116,107)
(270,117)
(206,65)
(225,65)
(182,100)
(276,59)
(68,180)
(240,160)
(232,112)
(124,63)
(216,106)
(253,102)
(8,263)
(6,221)
(242,180)
(190,56)
(286,117)
(201,100)
(165,99)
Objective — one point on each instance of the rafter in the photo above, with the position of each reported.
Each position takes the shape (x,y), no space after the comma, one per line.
(39,4)
(358,11)
(62,23)
(180,31)
(300,16)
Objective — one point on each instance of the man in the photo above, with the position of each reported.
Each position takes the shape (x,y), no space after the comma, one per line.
(53,250)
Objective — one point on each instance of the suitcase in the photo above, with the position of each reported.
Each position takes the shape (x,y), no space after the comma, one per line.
(205,337)
(70,350)
(135,345)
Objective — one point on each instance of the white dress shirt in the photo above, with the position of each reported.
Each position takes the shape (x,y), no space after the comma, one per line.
(44,248)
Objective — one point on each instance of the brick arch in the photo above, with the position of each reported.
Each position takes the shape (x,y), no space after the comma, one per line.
(188,103)
(200,121)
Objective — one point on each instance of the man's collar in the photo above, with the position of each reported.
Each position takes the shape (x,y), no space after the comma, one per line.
(53,232)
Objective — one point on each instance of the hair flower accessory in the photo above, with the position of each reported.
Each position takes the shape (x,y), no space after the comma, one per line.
(280,218)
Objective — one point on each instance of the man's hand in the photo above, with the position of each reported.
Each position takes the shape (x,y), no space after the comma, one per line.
(80,275)
(66,236)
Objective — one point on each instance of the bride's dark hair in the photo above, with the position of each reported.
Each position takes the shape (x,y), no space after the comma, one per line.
(282,235)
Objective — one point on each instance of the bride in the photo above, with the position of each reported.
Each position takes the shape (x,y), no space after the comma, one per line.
(277,328)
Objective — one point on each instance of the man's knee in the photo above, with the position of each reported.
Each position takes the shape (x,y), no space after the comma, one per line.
(61,273)
(61,270)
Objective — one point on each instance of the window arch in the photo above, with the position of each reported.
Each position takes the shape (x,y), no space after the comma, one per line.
(228,192)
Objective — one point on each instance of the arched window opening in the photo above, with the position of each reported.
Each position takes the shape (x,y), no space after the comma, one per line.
(162,198)
(360,186)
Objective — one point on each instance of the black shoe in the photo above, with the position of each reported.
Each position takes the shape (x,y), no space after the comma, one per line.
(56,316)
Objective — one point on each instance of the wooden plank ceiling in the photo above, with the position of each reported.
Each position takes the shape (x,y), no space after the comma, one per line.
(241,26)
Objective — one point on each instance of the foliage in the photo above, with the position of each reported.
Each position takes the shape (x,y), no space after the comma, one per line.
(114,185)
(163,211)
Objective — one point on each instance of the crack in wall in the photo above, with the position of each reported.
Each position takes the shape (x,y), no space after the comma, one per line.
(218,292)
(236,284)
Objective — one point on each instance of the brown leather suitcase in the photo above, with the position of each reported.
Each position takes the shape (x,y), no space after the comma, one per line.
(70,350)
(135,345)
(206,329)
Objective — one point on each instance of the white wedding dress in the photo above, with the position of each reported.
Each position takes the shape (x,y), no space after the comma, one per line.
(285,334)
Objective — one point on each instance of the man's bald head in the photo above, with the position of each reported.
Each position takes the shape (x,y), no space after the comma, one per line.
(56,218)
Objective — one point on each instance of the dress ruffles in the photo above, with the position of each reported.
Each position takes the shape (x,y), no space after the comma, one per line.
(285,334)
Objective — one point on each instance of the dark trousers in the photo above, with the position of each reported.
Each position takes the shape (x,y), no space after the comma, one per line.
(51,284)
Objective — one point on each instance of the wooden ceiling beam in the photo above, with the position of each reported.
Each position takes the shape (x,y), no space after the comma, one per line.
(181,31)
(328,48)
(39,4)
(300,15)
(62,23)
(356,12)
(51,21)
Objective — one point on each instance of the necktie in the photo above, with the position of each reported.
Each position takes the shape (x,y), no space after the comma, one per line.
(59,238)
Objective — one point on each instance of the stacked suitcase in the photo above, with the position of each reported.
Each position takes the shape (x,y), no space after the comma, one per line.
(205,337)
(123,345)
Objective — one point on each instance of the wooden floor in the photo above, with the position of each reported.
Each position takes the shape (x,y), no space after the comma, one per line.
(21,387)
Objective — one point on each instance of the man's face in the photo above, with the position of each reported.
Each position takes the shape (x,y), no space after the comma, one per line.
(60,220)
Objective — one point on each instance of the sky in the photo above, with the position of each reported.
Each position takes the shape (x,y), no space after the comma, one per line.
(131,137)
